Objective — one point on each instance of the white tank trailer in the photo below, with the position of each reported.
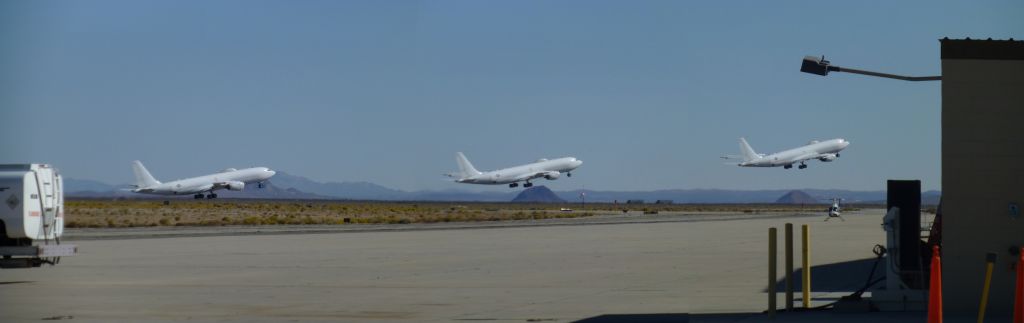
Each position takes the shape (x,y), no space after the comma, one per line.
(31,216)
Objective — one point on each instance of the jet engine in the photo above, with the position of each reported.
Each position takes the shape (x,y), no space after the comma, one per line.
(552,175)
(828,157)
(235,186)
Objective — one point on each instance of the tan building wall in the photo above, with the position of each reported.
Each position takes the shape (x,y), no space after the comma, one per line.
(982,169)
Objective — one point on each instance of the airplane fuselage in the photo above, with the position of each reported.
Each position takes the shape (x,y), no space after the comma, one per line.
(550,169)
(208,183)
(826,151)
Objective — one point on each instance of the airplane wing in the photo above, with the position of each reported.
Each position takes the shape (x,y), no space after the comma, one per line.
(228,185)
(207,188)
(529,176)
(807,157)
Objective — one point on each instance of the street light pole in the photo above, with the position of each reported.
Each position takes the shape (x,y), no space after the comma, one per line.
(583,200)
(820,66)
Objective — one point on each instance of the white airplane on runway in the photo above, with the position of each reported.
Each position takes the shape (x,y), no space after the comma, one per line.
(230,179)
(825,151)
(543,168)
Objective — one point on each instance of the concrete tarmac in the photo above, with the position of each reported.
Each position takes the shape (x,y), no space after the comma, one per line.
(713,270)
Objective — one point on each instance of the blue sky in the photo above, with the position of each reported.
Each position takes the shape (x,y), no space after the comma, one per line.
(647,93)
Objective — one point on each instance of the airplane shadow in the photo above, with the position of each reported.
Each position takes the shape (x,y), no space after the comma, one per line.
(639,318)
(847,276)
(673,318)
(798,317)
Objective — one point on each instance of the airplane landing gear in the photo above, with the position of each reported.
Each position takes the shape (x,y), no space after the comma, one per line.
(568,174)
(528,184)
(802,166)
(197,196)
(787,166)
(259,185)
(211,196)
(513,185)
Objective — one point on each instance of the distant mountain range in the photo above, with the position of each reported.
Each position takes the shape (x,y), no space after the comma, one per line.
(537,194)
(288,186)
(346,190)
(72,185)
(797,197)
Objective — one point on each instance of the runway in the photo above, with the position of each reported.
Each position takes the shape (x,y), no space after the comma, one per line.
(547,272)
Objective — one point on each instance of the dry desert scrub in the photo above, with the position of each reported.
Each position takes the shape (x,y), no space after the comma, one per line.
(139,213)
(97,213)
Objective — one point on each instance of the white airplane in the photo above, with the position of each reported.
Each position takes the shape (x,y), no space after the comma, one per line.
(230,179)
(825,151)
(543,168)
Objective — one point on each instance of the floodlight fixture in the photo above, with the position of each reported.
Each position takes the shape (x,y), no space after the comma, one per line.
(820,66)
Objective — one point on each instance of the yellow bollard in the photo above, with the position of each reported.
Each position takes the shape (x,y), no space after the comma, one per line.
(772,252)
(789,266)
(806,265)
(990,261)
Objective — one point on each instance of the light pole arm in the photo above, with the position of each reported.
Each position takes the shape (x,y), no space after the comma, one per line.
(885,75)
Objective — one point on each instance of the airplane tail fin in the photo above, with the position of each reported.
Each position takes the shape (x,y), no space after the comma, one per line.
(142,176)
(747,151)
(466,168)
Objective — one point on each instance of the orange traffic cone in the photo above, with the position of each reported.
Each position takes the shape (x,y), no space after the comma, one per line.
(935,289)
(1018,295)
